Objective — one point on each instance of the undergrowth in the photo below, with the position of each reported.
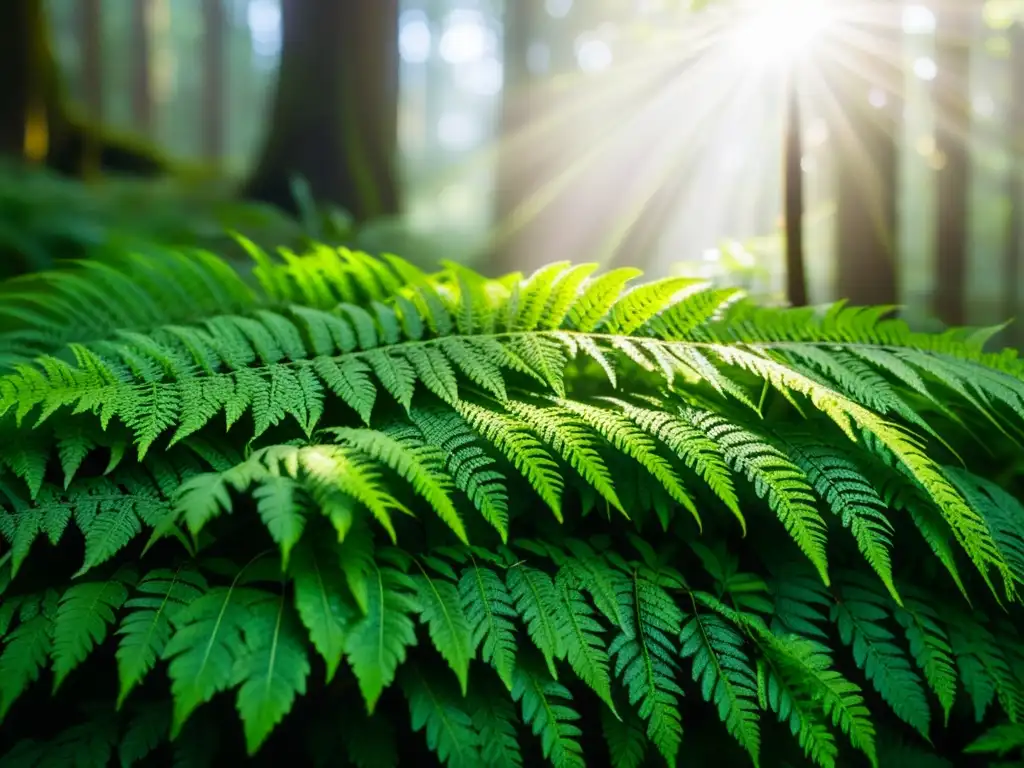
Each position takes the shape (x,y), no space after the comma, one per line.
(299,514)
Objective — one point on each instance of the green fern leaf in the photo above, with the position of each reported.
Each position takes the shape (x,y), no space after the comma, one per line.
(426,478)
(434,370)
(546,707)
(490,610)
(349,379)
(726,676)
(536,602)
(450,631)
(775,478)
(83,616)
(627,742)
(701,454)
(526,453)
(321,602)
(999,740)
(852,497)
(495,719)
(580,633)
(574,442)
(467,463)
(278,505)
(859,613)
(396,374)
(476,364)
(146,731)
(271,670)
(628,439)
(159,599)
(26,652)
(449,728)
(930,648)
(645,656)
(376,644)
(807,669)
(205,645)
(598,296)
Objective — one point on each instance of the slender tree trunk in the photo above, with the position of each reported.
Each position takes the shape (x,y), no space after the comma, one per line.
(1015,183)
(866,160)
(517,169)
(335,114)
(796,272)
(30,116)
(215,75)
(142,60)
(953,126)
(35,123)
(90,27)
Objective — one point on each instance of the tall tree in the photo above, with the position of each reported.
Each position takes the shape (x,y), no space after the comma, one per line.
(952,139)
(1015,181)
(334,120)
(866,157)
(36,122)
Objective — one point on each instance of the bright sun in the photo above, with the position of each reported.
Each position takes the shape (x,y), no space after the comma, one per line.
(780,31)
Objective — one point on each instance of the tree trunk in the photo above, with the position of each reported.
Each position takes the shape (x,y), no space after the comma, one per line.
(952,133)
(866,159)
(35,123)
(518,170)
(793,195)
(215,75)
(142,66)
(335,115)
(31,120)
(1015,184)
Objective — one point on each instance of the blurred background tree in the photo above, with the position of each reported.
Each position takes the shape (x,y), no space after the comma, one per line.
(634,132)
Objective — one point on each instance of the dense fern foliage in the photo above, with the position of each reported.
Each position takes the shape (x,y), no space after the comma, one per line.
(300,513)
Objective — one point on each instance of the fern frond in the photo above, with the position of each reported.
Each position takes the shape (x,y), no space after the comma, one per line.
(999,740)
(627,742)
(489,608)
(725,674)
(495,719)
(930,648)
(26,652)
(84,614)
(522,448)
(322,602)
(536,602)
(377,643)
(546,707)
(580,633)
(645,656)
(858,614)
(468,464)
(271,670)
(449,728)
(159,598)
(205,646)
(450,630)
(775,477)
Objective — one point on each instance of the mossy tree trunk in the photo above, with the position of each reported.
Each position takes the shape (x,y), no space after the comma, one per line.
(334,119)
(36,123)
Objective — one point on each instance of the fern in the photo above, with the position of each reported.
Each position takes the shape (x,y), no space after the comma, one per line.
(645,656)
(344,458)
(546,709)
(725,674)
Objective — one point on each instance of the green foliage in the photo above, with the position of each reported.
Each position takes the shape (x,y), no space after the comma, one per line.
(494,522)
